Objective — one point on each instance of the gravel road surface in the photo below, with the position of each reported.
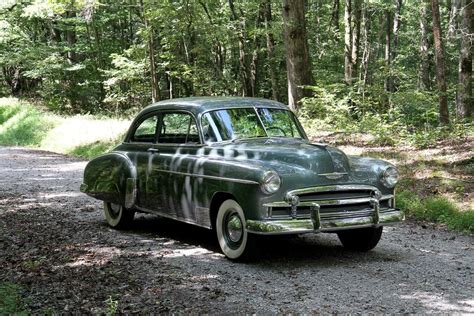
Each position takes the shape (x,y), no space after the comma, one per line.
(55,244)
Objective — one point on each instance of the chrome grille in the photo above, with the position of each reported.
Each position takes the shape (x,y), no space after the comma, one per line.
(335,195)
(336,201)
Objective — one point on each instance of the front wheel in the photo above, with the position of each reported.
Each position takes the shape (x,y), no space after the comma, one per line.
(232,235)
(118,216)
(361,239)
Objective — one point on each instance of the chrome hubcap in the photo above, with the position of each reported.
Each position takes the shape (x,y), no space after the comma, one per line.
(234,228)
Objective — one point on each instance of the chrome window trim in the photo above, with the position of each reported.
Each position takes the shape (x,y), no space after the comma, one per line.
(146,115)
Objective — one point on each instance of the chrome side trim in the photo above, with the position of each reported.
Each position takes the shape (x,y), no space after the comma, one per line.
(177,218)
(243,181)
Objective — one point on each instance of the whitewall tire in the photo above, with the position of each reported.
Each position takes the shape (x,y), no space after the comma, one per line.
(231,230)
(118,216)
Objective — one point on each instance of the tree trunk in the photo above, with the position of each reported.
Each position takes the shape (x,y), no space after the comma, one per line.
(454,10)
(16,82)
(356,37)
(272,65)
(243,72)
(298,63)
(424,72)
(464,91)
(388,51)
(71,37)
(440,66)
(366,55)
(217,47)
(396,28)
(256,48)
(155,90)
(335,16)
(347,43)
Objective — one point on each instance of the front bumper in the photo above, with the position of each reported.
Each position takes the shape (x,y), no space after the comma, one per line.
(320,222)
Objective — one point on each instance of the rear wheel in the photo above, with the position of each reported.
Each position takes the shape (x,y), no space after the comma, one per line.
(233,238)
(362,239)
(117,215)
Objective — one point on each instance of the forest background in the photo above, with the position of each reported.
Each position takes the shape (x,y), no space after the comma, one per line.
(361,73)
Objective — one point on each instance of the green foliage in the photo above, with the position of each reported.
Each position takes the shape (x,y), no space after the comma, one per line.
(408,118)
(94,149)
(11,300)
(112,306)
(435,209)
(23,125)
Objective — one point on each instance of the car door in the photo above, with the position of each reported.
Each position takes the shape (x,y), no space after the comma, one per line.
(170,183)
(141,150)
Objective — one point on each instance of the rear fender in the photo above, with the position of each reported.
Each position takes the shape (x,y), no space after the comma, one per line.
(112,178)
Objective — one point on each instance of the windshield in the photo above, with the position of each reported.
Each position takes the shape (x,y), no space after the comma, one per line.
(238,123)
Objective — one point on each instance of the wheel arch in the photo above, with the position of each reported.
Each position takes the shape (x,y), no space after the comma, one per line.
(217,199)
(112,178)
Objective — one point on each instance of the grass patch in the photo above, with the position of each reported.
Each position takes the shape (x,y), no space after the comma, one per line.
(22,124)
(11,300)
(435,209)
(94,149)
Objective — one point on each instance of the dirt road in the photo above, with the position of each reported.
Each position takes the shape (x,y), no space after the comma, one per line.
(55,244)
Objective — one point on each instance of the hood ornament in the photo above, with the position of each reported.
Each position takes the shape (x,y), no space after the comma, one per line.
(333,175)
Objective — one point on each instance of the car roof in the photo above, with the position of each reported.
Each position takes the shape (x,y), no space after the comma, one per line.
(198,105)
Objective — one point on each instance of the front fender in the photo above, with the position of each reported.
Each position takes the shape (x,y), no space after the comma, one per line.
(112,178)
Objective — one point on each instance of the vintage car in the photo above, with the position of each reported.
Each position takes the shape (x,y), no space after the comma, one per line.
(241,166)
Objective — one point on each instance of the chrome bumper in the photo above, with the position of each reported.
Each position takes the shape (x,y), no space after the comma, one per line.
(317,223)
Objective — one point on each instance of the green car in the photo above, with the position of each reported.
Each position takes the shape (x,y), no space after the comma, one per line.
(242,167)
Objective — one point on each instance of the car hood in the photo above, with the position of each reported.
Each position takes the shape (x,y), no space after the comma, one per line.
(286,155)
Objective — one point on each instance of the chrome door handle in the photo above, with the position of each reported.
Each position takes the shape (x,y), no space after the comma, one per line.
(153,150)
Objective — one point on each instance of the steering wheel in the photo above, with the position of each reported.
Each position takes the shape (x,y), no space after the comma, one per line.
(278,128)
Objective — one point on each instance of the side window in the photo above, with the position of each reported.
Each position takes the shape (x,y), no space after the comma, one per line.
(178,128)
(145,132)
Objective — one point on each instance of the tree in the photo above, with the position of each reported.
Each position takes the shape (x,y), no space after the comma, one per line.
(388,51)
(440,65)
(424,71)
(270,41)
(155,89)
(347,43)
(298,63)
(396,28)
(335,16)
(454,7)
(464,91)
(356,37)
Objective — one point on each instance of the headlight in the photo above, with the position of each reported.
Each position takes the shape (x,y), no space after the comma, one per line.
(270,182)
(390,177)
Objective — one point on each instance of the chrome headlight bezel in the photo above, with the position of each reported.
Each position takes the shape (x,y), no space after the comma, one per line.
(270,182)
(389,177)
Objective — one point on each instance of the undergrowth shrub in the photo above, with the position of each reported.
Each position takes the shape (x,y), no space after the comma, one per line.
(409,117)
(435,209)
